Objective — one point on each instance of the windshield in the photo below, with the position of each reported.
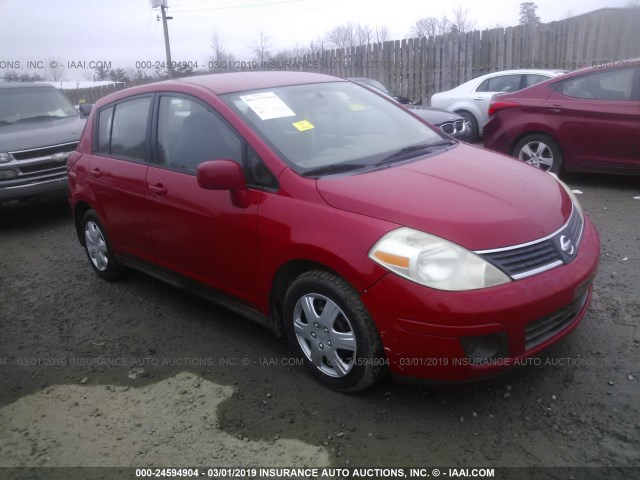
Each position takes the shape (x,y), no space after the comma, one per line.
(336,127)
(33,104)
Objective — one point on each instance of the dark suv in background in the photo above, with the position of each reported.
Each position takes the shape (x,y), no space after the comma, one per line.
(39,128)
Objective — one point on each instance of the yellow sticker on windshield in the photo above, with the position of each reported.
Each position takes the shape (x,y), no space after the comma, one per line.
(356,107)
(303,125)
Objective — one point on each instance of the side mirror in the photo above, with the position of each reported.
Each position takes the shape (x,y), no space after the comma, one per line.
(224,175)
(85,109)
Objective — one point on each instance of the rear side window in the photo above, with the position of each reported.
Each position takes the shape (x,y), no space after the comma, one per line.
(129,129)
(616,85)
(503,83)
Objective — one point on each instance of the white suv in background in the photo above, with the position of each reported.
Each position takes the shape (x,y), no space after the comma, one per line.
(471,99)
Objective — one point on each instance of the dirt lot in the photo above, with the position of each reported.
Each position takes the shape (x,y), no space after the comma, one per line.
(138,373)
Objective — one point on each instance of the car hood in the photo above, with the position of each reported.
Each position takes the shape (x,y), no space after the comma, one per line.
(477,199)
(435,116)
(28,135)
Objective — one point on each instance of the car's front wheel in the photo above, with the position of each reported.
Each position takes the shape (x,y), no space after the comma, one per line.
(541,151)
(98,248)
(329,327)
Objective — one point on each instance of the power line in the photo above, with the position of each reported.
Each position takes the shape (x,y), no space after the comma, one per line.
(246,5)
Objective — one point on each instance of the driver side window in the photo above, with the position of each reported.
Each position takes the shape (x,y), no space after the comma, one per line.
(189,134)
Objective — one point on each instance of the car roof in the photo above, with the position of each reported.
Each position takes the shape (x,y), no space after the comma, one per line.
(24,85)
(531,71)
(221,83)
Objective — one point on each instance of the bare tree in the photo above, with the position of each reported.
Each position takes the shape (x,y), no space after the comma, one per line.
(316,46)
(364,34)
(425,27)
(261,46)
(56,70)
(343,36)
(461,20)
(220,59)
(381,34)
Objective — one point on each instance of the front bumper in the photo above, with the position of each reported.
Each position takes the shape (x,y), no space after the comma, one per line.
(423,330)
(34,192)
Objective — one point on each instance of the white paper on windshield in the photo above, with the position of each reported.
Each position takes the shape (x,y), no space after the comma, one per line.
(267,105)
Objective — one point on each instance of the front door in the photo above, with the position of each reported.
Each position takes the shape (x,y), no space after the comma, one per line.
(200,233)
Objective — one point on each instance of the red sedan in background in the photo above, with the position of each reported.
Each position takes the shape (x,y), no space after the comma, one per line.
(337,218)
(588,120)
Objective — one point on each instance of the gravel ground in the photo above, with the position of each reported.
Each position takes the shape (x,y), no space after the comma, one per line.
(138,373)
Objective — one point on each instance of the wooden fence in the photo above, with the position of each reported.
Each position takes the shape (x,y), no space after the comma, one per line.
(78,96)
(417,68)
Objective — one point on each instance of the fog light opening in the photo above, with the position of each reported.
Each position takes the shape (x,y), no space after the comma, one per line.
(485,349)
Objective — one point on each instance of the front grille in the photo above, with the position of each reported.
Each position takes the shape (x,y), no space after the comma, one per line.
(43,167)
(522,261)
(44,151)
(39,164)
(541,330)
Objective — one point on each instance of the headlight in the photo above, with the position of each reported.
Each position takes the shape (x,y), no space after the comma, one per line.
(5,157)
(572,196)
(434,262)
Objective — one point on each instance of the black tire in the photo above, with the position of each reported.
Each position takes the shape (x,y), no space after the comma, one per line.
(474,131)
(340,369)
(547,154)
(97,247)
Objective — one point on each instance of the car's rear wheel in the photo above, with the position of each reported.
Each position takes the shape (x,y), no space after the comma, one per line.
(472,125)
(329,327)
(98,248)
(541,151)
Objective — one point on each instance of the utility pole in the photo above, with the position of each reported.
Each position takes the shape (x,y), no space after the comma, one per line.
(163,5)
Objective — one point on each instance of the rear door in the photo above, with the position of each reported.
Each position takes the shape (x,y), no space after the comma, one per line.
(597,120)
(117,170)
(200,233)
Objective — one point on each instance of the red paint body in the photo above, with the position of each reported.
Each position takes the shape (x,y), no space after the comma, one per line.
(593,134)
(471,197)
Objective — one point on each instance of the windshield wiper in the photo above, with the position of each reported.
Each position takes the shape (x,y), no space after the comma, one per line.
(39,117)
(335,168)
(409,152)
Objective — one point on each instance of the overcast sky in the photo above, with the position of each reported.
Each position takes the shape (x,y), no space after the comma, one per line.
(124,32)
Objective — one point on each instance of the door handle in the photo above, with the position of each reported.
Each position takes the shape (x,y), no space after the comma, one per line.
(158,189)
(555,108)
(96,172)
(479,98)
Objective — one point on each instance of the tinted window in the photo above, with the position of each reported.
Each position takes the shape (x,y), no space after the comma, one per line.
(129,130)
(189,134)
(532,79)
(104,129)
(610,85)
(502,83)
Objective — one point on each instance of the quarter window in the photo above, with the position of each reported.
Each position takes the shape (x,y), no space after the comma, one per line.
(189,134)
(614,85)
(104,129)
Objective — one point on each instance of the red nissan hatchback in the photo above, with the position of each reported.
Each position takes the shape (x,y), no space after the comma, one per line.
(337,218)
